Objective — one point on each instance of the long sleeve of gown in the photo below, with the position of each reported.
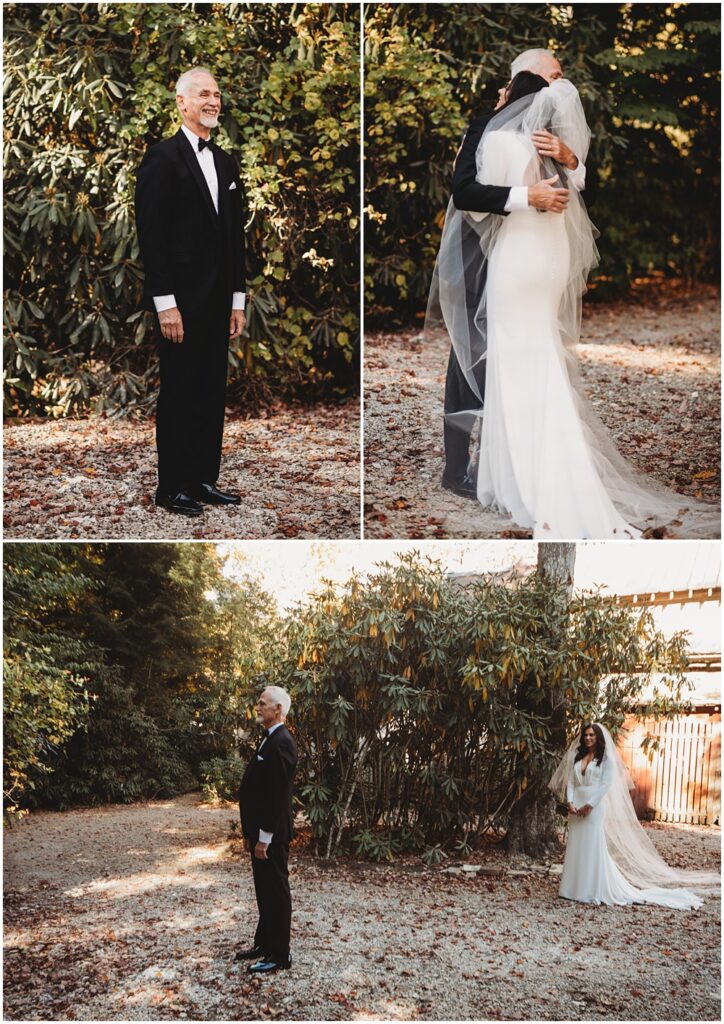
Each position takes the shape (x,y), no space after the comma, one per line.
(606,778)
(569,785)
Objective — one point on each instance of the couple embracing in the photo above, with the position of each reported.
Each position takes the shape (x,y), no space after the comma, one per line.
(516,251)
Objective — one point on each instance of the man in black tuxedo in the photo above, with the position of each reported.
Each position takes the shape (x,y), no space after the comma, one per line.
(190,222)
(468,194)
(265,805)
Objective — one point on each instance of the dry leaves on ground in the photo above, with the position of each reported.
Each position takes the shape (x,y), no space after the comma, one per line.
(135,912)
(297,472)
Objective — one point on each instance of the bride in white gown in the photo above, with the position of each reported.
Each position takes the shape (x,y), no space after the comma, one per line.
(544,456)
(609,858)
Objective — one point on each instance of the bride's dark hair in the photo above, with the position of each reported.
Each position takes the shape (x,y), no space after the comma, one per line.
(600,739)
(524,83)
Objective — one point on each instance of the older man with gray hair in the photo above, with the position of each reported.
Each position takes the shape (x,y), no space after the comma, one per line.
(459,475)
(265,805)
(190,220)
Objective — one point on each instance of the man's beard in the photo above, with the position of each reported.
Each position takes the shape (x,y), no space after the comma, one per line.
(209,120)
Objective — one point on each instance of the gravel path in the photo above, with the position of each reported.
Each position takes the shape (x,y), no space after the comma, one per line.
(297,472)
(134,913)
(651,368)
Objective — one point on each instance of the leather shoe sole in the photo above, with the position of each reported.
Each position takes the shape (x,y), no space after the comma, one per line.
(269,966)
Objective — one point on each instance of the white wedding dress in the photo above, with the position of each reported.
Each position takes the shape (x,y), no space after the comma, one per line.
(590,875)
(537,458)
(511,303)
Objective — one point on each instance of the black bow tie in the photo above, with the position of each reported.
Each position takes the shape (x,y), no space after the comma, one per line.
(203,143)
(266,734)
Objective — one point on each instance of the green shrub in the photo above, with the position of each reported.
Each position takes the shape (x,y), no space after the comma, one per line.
(221,778)
(423,709)
(87,88)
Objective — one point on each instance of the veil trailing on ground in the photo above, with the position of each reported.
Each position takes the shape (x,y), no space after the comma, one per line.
(629,846)
(458,299)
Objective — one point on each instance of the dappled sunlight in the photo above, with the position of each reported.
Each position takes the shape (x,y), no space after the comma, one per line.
(173,872)
(676,361)
(203,854)
(388,1009)
(138,885)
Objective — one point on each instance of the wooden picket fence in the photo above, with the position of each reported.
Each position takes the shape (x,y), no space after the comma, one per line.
(682,781)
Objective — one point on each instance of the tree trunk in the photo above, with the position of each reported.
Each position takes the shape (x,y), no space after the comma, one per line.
(532,829)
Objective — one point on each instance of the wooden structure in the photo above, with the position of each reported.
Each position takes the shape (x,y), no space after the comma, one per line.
(681,780)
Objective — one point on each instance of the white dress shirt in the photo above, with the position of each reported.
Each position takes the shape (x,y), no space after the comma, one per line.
(266,837)
(518,198)
(206,162)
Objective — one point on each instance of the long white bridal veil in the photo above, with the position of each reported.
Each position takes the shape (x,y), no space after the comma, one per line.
(458,299)
(629,846)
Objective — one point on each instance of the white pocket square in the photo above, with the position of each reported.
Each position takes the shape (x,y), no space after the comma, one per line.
(232,185)
(259,757)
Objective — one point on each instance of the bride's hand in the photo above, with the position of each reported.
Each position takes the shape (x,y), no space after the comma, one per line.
(585,810)
(550,145)
(572,809)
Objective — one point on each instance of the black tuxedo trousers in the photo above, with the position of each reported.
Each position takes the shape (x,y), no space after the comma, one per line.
(459,395)
(190,408)
(274,900)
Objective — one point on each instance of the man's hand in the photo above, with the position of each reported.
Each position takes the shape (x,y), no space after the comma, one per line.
(550,145)
(172,326)
(572,809)
(260,851)
(585,810)
(237,323)
(544,197)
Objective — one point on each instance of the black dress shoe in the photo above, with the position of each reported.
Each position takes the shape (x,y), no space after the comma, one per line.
(180,503)
(211,495)
(466,487)
(267,966)
(253,953)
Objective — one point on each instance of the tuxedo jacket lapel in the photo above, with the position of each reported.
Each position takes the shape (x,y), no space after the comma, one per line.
(192,163)
(224,182)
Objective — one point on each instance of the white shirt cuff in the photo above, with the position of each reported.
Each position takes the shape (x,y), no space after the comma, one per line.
(162,302)
(577,178)
(518,199)
(265,837)
(238,300)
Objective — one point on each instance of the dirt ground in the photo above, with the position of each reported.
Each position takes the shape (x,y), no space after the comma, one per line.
(297,472)
(651,368)
(134,912)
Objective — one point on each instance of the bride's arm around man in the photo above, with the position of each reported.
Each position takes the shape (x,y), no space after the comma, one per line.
(472,195)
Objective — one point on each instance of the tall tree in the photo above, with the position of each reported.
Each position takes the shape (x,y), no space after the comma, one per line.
(533,822)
